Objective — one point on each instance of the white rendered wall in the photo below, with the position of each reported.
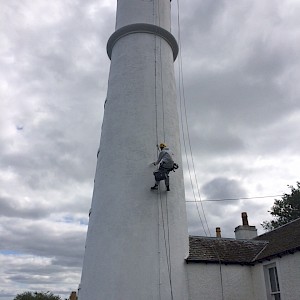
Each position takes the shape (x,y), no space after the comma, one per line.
(243,282)
(289,276)
(144,11)
(259,286)
(288,268)
(130,229)
(205,282)
(245,232)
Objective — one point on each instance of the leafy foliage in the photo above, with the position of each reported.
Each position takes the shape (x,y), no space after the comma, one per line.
(36,296)
(285,210)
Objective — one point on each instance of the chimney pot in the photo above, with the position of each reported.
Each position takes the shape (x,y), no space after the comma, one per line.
(245,219)
(218,232)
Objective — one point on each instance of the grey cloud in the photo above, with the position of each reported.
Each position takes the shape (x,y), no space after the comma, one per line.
(44,278)
(216,215)
(220,141)
(234,101)
(4,294)
(38,238)
(246,91)
(57,87)
(25,279)
(11,208)
(204,216)
(223,188)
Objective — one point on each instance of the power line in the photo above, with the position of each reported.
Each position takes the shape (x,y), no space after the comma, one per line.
(236,199)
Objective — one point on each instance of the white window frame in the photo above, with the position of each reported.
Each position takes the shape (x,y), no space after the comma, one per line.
(273,292)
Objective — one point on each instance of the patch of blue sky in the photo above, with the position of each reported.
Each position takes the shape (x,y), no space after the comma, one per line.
(84,221)
(71,219)
(9,252)
(68,219)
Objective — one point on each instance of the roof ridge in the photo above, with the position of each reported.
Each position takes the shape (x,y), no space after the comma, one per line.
(257,255)
(268,232)
(228,239)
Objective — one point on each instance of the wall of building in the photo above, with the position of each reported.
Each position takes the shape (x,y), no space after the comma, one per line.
(243,282)
(288,269)
(204,282)
(258,281)
(289,276)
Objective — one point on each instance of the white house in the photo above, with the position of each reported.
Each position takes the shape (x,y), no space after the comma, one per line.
(262,268)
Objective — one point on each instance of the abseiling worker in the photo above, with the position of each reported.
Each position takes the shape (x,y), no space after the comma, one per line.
(166,164)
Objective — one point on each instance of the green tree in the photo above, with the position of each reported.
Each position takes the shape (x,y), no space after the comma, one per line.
(284,210)
(36,296)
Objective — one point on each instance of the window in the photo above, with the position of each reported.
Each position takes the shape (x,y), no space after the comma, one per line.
(272,282)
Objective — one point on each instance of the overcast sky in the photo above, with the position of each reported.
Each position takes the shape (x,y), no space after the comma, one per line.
(241,70)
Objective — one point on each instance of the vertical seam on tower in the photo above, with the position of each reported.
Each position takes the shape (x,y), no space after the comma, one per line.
(167,245)
(166,239)
(156,132)
(166,231)
(161,77)
(169,249)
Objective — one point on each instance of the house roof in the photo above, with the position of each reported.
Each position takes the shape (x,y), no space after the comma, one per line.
(281,241)
(228,251)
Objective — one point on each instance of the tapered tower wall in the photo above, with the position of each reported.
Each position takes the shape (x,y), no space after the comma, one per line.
(137,239)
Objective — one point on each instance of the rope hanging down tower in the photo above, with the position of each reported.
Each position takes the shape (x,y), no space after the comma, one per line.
(162,210)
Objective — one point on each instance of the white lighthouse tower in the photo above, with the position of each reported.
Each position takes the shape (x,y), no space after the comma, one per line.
(137,239)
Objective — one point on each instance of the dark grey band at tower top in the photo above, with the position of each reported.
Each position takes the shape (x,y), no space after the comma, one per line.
(142,28)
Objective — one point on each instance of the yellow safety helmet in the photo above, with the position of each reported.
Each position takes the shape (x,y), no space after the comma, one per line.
(162,145)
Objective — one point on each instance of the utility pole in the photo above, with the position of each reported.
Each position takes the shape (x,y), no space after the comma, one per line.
(137,239)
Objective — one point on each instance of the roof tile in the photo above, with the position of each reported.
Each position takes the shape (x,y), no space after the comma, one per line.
(207,249)
(278,242)
(282,240)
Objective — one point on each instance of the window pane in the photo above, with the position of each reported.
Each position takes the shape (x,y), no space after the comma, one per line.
(273,279)
(277,297)
(276,277)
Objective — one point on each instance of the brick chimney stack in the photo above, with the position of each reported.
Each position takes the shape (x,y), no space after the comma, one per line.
(218,232)
(245,231)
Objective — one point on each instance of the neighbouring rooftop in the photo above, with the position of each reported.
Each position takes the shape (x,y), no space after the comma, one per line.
(276,243)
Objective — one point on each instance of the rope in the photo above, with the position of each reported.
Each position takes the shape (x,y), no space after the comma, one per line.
(168,252)
(181,92)
(166,239)
(183,100)
(156,133)
(158,240)
(170,265)
(162,87)
(159,195)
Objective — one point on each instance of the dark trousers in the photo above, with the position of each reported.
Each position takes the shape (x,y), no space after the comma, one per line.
(166,172)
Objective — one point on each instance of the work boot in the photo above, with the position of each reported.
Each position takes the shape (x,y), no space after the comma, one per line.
(168,188)
(155,187)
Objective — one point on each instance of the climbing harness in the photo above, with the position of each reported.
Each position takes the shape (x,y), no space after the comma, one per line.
(175,167)
(162,173)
